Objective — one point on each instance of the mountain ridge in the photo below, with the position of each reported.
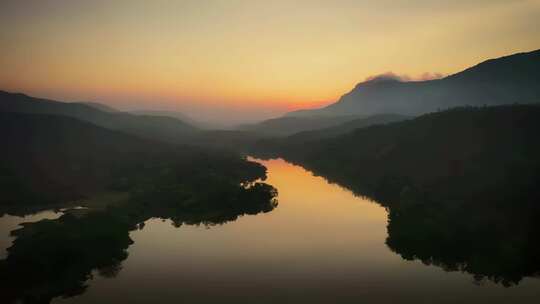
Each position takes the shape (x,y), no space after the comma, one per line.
(153,127)
(508,79)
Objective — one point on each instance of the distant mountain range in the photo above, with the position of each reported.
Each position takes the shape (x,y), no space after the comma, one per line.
(154,127)
(505,80)
(99,106)
(181,116)
(349,126)
(267,146)
(284,126)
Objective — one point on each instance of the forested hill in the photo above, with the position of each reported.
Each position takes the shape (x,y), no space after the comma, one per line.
(153,127)
(53,159)
(470,153)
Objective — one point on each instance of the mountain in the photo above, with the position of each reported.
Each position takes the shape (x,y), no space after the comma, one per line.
(154,127)
(267,145)
(460,186)
(100,106)
(53,159)
(177,115)
(378,119)
(48,161)
(59,157)
(284,126)
(505,80)
(489,154)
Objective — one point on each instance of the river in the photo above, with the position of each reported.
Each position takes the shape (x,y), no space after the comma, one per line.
(322,244)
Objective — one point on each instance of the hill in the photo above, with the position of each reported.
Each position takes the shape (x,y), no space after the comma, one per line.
(54,159)
(509,79)
(472,154)
(284,126)
(268,145)
(153,127)
(346,127)
(172,114)
(100,106)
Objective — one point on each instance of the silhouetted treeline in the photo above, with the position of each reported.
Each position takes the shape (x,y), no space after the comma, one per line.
(54,159)
(146,126)
(461,186)
(492,241)
(156,127)
(53,258)
(489,153)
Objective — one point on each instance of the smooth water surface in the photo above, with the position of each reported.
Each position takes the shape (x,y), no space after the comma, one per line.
(321,244)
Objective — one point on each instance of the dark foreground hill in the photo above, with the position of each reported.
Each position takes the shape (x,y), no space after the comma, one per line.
(461,187)
(509,79)
(490,153)
(47,161)
(153,127)
(53,159)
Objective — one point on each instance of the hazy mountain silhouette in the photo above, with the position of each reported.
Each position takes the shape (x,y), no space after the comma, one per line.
(100,106)
(284,126)
(290,142)
(346,127)
(154,127)
(173,114)
(505,80)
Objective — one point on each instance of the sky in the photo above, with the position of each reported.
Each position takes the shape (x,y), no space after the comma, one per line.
(232,61)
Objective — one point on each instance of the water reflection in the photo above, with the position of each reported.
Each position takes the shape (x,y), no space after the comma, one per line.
(322,245)
(56,258)
(490,241)
(10,222)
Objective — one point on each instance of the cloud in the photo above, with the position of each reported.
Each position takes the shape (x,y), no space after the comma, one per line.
(386,76)
(429,76)
(404,77)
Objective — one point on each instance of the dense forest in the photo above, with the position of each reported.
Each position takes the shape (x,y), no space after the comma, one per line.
(468,153)
(56,159)
(123,180)
(460,186)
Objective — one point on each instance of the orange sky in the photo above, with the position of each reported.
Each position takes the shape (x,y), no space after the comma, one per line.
(256,58)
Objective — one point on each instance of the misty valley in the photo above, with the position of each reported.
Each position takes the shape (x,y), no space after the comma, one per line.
(422,191)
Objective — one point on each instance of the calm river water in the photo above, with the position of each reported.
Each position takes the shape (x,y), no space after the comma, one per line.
(321,244)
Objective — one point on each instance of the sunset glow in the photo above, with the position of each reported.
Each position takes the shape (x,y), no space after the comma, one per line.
(260,58)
